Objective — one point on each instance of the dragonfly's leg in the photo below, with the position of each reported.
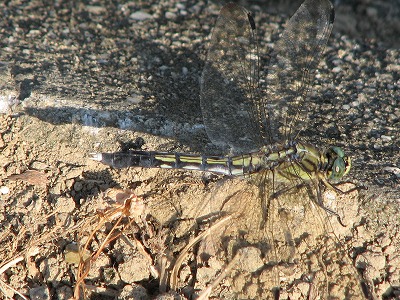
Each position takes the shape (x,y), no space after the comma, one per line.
(339,191)
(277,194)
(320,203)
(317,200)
(356,188)
(335,214)
(227,199)
(331,186)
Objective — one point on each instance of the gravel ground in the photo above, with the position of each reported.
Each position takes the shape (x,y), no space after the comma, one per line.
(81,77)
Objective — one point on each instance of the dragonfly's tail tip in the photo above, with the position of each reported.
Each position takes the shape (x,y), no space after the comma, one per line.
(96,156)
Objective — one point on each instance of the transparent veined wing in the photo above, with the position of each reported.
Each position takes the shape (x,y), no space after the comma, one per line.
(228,91)
(292,66)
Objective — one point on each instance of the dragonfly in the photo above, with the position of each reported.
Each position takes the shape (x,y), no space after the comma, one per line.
(255,116)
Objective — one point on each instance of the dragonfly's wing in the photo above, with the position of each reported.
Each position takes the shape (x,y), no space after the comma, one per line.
(301,253)
(292,64)
(229,83)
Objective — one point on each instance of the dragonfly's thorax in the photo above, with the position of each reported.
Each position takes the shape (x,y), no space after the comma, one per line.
(309,159)
(278,153)
(293,160)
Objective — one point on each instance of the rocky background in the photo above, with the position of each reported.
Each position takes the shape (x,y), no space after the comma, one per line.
(85,76)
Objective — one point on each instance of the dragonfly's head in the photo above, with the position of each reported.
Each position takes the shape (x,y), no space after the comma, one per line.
(338,163)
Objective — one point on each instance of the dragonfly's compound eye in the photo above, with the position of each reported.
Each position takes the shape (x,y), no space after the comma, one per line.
(341,164)
(338,169)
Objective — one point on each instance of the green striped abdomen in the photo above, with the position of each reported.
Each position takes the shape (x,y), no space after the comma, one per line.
(266,159)
(233,166)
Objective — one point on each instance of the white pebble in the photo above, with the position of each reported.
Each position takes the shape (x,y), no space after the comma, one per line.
(4,190)
(170,15)
(140,16)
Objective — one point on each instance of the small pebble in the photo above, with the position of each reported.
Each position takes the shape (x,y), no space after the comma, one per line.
(73,173)
(95,9)
(78,186)
(394,170)
(134,98)
(140,16)
(39,293)
(38,165)
(4,190)
(65,205)
(170,15)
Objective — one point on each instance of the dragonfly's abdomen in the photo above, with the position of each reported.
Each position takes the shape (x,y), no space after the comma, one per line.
(226,165)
